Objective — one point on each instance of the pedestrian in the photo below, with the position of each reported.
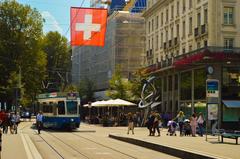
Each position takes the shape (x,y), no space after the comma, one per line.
(6,123)
(12,122)
(156,124)
(193,123)
(39,121)
(130,123)
(200,122)
(180,119)
(149,123)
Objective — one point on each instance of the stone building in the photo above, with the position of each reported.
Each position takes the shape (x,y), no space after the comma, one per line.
(188,42)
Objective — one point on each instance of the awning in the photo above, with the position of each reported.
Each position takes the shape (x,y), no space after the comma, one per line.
(232,103)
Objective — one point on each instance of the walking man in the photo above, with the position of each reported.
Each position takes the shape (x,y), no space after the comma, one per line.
(39,121)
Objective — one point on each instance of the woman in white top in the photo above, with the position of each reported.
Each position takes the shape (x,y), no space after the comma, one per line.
(200,122)
(193,123)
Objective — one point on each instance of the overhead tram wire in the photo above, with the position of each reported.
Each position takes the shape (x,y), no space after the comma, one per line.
(65,34)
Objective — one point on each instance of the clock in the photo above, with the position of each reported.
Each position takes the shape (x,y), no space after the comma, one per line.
(210,70)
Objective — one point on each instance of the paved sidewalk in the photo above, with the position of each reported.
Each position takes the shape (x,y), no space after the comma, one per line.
(12,144)
(184,147)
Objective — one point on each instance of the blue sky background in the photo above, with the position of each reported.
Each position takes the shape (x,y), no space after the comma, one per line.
(56,13)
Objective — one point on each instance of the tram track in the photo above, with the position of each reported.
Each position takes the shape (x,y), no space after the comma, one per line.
(63,142)
(76,150)
(104,146)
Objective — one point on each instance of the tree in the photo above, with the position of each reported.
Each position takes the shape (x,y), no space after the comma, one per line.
(118,87)
(136,85)
(86,90)
(58,60)
(21,58)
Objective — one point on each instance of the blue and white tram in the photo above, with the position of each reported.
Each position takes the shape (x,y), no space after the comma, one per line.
(60,110)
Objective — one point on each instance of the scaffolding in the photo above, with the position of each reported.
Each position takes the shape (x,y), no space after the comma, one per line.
(124,47)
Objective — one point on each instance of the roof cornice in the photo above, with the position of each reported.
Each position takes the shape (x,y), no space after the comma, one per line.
(155,7)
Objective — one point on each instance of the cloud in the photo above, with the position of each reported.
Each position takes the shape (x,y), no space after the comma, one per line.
(50,23)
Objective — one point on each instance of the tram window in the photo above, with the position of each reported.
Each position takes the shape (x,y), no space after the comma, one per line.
(72,107)
(47,108)
(61,108)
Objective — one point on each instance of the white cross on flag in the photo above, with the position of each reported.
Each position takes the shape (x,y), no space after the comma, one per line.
(88,26)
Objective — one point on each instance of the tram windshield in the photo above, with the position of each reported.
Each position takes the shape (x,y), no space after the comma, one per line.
(71,107)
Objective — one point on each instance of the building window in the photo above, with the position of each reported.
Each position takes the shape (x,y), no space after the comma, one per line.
(190,4)
(190,48)
(166,15)
(152,24)
(205,43)
(200,84)
(166,36)
(177,30)
(149,26)
(190,26)
(157,22)
(149,44)
(172,12)
(230,91)
(199,19)
(205,16)
(161,19)
(161,40)
(156,42)
(178,8)
(228,15)
(183,51)
(228,43)
(198,45)
(186,86)
(184,5)
(184,29)
(152,43)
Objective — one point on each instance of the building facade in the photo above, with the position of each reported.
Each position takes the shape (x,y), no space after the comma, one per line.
(124,47)
(134,6)
(183,38)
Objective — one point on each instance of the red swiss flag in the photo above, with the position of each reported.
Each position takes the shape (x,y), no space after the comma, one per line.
(88,26)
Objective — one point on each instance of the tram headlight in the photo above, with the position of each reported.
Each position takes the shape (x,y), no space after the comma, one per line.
(72,119)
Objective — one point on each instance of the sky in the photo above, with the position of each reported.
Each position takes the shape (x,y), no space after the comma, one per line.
(56,13)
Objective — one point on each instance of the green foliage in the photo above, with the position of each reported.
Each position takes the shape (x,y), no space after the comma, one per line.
(58,60)
(118,87)
(136,85)
(86,90)
(20,50)
(71,88)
